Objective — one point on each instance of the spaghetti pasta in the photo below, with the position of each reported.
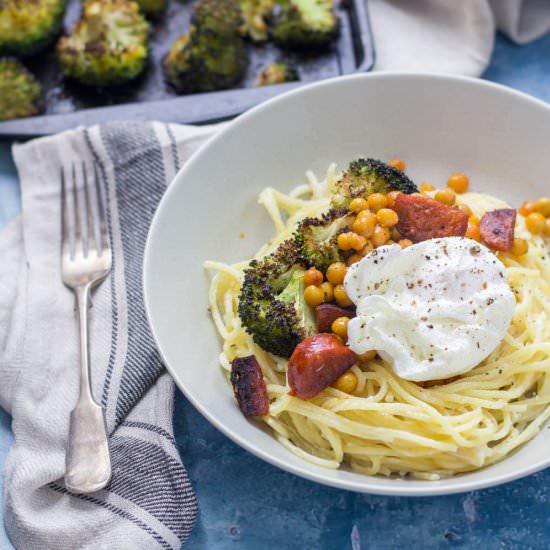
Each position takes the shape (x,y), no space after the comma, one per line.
(388,425)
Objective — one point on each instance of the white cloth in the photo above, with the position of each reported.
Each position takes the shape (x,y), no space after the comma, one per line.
(149,502)
(450,36)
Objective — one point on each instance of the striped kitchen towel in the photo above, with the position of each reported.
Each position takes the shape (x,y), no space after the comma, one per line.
(149,502)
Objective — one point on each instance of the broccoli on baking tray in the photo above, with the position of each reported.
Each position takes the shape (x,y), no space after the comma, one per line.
(256,15)
(27,26)
(212,55)
(305,23)
(108,46)
(277,73)
(20,93)
(151,8)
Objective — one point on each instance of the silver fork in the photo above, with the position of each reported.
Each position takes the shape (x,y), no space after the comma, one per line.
(85,262)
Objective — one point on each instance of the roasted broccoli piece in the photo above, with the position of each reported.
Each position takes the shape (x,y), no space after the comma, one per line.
(108,45)
(317,238)
(20,93)
(255,14)
(202,62)
(277,73)
(366,176)
(221,17)
(212,55)
(272,305)
(305,23)
(151,8)
(28,26)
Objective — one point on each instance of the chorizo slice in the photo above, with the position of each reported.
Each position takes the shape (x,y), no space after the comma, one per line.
(316,363)
(326,314)
(497,228)
(249,386)
(422,218)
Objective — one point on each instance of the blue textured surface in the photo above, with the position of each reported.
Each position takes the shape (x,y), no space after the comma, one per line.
(248,504)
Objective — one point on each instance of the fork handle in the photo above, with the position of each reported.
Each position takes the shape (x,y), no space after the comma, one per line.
(88,461)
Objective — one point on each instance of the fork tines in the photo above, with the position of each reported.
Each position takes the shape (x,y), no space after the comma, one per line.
(84,230)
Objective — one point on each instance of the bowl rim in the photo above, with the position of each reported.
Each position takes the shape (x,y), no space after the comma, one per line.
(430,488)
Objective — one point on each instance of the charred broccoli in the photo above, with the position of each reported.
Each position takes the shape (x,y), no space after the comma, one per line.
(318,238)
(366,176)
(255,13)
(305,23)
(272,305)
(222,17)
(20,93)
(212,55)
(277,73)
(108,45)
(151,7)
(26,27)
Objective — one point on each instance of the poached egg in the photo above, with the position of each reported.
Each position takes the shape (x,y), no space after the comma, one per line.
(433,310)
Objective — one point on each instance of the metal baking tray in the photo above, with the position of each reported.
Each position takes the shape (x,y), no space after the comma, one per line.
(68,105)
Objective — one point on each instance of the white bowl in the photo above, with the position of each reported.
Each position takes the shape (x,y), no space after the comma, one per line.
(437,124)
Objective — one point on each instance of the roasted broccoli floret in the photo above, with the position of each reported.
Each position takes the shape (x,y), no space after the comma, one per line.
(28,26)
(222,17)
(305,23)
(277,73)
(151,8)
(318,238)
(202,62)
(272,305)
(108,45)
(255,14)
(212,55)
(20,93)
(366,176)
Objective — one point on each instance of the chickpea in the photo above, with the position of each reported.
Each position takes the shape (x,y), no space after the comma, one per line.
(347,382)
(425,187)
(446,196)
(314,295)
(535,222)
(336,273)
(405,243)
(328,291)
(367,249)
(397,163)
(547,227)
(473,232)
(459,183)
(377,201)
(358,204)
(519,247)
(345,241)
(543,206)
(528,207)
(340,327)
(380,236)
(357,241)
(364,224)
(354,259)
(391,196)
(367,356)
(387,217)
(466,209)
(341,296)
(313,277)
